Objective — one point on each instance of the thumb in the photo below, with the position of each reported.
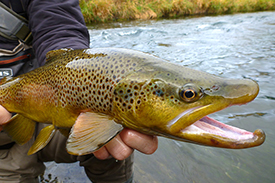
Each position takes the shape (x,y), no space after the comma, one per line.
(4,115)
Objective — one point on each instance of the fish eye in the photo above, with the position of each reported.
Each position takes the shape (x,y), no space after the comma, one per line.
(190,93)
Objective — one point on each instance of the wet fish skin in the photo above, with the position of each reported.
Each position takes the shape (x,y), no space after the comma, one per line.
(99,91)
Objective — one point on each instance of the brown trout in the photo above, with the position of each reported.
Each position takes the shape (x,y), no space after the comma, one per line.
(90,95)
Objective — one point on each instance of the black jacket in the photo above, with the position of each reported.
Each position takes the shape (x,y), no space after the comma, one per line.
(54,24)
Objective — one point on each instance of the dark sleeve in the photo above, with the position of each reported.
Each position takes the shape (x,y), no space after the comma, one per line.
(56,24)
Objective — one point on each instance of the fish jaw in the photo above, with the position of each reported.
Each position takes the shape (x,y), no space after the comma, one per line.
(193,125)
(210,132)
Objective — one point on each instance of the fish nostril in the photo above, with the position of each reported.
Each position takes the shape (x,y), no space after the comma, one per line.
(215,87)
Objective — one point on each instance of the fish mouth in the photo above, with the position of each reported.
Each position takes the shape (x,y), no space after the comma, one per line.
(210,132)
(194,126)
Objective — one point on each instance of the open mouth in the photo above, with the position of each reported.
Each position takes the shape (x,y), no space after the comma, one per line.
(208,131)
(212,126)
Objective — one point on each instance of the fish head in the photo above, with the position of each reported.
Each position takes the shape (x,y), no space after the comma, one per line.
(174,101)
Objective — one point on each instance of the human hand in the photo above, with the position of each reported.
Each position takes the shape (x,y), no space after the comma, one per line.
(123,145)
(4,116)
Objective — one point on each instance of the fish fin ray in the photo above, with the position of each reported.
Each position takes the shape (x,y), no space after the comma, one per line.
(42,139)
(90,132)
(20,129)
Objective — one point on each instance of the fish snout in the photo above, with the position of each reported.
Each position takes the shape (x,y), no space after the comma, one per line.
(235,91)
(243,91)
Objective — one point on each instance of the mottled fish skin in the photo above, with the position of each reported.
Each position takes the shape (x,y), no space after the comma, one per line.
(137,90)
(79,81)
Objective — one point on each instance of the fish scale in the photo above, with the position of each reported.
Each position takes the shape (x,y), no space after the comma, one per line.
(89,95)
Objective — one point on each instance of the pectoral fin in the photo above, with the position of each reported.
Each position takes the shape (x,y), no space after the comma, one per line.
(42,139)
(90,132)
(20,129)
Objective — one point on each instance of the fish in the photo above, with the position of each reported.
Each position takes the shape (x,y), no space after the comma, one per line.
(90,95)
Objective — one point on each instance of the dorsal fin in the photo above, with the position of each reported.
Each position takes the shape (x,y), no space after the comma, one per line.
(51,55)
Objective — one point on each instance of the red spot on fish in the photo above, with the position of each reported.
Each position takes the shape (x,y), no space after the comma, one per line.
(214,141)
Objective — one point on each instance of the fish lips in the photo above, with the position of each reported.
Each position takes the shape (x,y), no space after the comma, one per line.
(210,132)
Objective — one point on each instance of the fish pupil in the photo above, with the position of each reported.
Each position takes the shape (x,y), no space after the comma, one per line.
(189,94)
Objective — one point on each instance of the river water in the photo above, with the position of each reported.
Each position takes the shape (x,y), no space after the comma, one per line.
(235,46)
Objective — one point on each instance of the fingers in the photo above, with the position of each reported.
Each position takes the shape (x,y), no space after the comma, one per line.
(123,145)
(4,116)
(102,153)
(115,148)
(146,144)
(118,149)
